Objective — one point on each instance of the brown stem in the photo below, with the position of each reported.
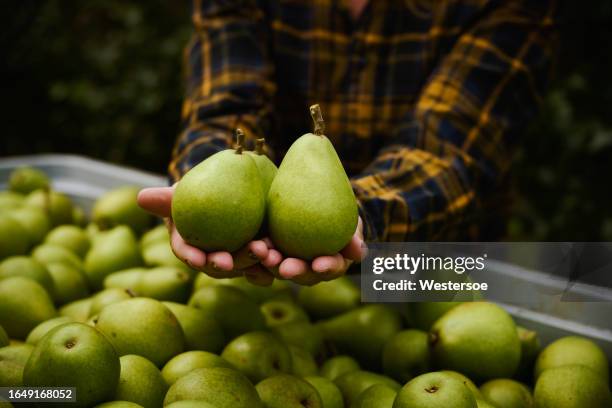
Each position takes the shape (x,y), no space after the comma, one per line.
(239,140)
(317,118)
(259,146)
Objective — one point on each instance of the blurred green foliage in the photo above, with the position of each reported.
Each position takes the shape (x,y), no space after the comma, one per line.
(103,78)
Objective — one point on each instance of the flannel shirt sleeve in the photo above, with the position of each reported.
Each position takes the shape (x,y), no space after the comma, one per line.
(456,146)
(229,81)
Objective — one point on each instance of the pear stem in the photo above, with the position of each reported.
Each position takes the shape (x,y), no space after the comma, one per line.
(239,140)
(259,146)
(317,118)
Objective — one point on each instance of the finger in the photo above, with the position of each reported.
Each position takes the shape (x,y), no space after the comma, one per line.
(292,267)
(221,261)
(192,256)
(250,254)
(328,264)
(354,250)
(156,200)
(257,275)
(308,279)
(268,242)
(273,259)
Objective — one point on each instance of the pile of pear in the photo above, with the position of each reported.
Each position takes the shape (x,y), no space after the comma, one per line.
(306,206)
(104,306)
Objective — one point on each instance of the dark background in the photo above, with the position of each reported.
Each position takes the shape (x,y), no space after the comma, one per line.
(103,78)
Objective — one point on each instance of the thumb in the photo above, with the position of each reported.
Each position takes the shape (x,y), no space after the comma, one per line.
(156,200)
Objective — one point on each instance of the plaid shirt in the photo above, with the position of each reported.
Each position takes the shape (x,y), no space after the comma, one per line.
(424,100)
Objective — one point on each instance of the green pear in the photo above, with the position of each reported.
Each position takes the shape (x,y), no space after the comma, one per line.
(258,355)
(43,328)
(277,290)
(125,279)
(47,254)
(570,351)
(35,221)
(235,311)
(267,169)
(78,309)
(406,355)
(506,393)
(458,341)
(435,390)
(14,239)
(423,315)
(4,339)
(71,237)
(75,355)
(363,332)
(119,207)
(230,212)
(156,234)
(140,382)
(79,218)
(330,394)
(190,404)
(24,180)
(277,312)
(376,396)
(312,210)
(303,363)
(287,391)
(302,334)
(202,332)
(55,204)
(27,267)
(483,404)
(10,200)
(530,349)
(112,251)
(161,254)
(331,298)
(68,282)
(466,381)
(107,297)
(339,365)
(165,283)
(571,386)
(23,305)
(184,363)
(219,386)
(12,361)
(354,383)
(119,404)
(144,327)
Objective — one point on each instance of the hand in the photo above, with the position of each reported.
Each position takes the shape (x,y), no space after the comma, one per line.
(320,269)
(246,261)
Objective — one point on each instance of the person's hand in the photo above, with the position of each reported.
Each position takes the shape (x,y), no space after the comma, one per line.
(320,269)
(246,261)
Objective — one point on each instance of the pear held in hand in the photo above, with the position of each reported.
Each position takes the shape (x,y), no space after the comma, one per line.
(220,203)
(312,210)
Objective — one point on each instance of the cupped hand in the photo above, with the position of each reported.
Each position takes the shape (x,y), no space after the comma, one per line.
(246,261)
(319,269)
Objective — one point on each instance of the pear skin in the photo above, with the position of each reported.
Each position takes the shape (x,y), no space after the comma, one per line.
(140,382)
(458,343)
(57,205)
(24,180)
(354,383)
(14,239)
(78,309)
(267,169)
(219,386)
(34,220)
(312,210)
(339,365)
(69,283)
(23,305)
(28,268)
(363,332)
(75,355)
(184,363)
(45,327)
(570,351)
(571,386)
(287,391)
(376,396)
(70,237)
(301,334)
(220,204)
(202,332)
(303,363)
(435,390)
(507,393)
(406,355)
(119,207)
(51,253)
(331,397)
(278,312)
(330,298)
